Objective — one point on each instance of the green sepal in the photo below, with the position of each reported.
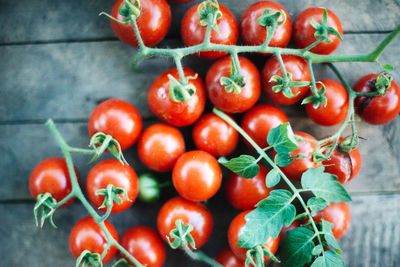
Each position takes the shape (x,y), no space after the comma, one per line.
(46,204)
(236,82)
(383,83)
(100,142)
(387,67)
(255,256)
(178,91)
(127,9)
(112,194)
(323,30)
(244,165)
(206,8)
(284,85)
(181,235)
(349,143)
(318,98)
(273,177)
(88,258)
(270,18)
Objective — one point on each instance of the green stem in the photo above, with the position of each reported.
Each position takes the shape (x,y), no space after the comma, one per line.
(312,45)
(236,63)
(283,68)
(313,83)
(207,36)
(179,67)
(270,34)
(200,256)
(82,150)
(137,33)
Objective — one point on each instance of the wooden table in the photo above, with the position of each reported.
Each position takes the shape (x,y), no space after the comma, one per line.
(59,60)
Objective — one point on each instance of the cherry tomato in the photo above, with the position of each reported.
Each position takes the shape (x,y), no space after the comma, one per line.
(160,146)
(188,212)
(117,118)
(377,109)
(176,113)
(338,214)
(244,193)
(253,33)
(236,227)
(335,111)
(153,23)
(87,235)
(303,31)
(232,102)
(51,175)
(228,259)
(145,245)
(193,33)
(180,1)
(112,172)
(285,229)
(299,165)
(196,175)
(297,66)
(215,136)
(258,121)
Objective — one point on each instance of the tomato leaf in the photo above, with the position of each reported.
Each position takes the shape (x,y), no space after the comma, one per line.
(317,250)
(282,138)
(315,204)
(272,178)
(244,165)
(283,159)
(328,259)
(328,235)
(297,247)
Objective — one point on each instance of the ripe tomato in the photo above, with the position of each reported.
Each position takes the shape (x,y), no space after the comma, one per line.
(112,172)
(118,118)
(258,121)
(180,1)
(253,33)
(232,102)
(297,66)
(193,33)
(338,214)
(335,111)
(153,23)
(236,227)
(299,165)
(160,146)
(196,175)
(51,175)
(214,135)
(285,229)
(176,113)
(228,259)
(303,31)
(145,245)
(377,109)
(244,193)
(188,212)
(86,234)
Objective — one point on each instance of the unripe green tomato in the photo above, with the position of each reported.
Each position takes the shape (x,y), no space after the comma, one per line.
(149,190)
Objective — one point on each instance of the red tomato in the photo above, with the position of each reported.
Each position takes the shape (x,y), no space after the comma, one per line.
(193,33)
(188,212)
(377,109)
(338,214)
(236,227)
(145,245)
(196,175)
(303,31)
(86,234)
(215,136)
(295,169)
(228,259)
(153,23)
(258,121)
(160,146)
(244,193)
(285,229)
(232,102)
(51,175)
(118,118)
(112,172)
(176,113)
(180,1)
(335,111)
(253,33)
(297,66)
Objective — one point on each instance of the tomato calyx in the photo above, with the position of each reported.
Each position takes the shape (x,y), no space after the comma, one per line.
(256,255)
(209,14)
(181,91)
(285,85)
(317,98)
(100,142)
(112,194)
(130,9)
(270,19)
(236,81)
(47,205)
(88,258)
(181,235)
(323,30)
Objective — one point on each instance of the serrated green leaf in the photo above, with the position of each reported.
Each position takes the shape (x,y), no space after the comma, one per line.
(387,67)
(268,218)
(282,138)
(324,185)
(315,204)
(328,259)
(283,159)
(272,178)
(328,235)
(297,247)
(244,165)
(317,250)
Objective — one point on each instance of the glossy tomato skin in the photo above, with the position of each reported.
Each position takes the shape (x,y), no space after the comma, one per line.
(193,33)
(295,169)
(214,135)
(231,102)
(188,212)
(297,66)
(112,172)
(338,214)
(377,109)
(336,108)
(176,113)
(236,227)
(86,234)
(303,31)
(196,175)
(153,23)
(228,259)
(145,245)
(118,118)
(160,146)
(258,121)
(244,193)
(51,175)
(253,33)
